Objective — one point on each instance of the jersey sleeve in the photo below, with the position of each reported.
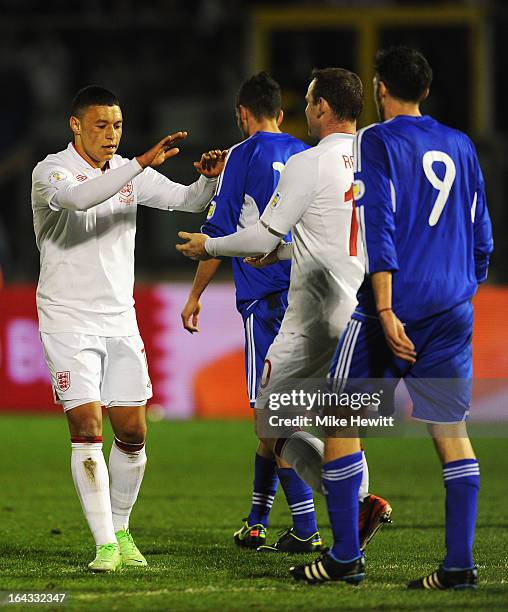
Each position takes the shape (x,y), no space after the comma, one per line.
(54,185)
(374,199)
(482,230)
(47,179)
(293,194)
(157,191)
(227,203)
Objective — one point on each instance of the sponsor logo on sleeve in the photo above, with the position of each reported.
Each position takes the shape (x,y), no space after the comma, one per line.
(211,210)
(126,193)
(57,176)
(63,380)
(81,177)
(275,201)
(358,189)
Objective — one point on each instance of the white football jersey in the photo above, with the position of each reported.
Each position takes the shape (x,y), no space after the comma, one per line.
(87,257)
(314,199)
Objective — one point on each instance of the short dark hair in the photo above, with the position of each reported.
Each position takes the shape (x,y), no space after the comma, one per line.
(405,72)
(92,95)
(342,90)
(261,95)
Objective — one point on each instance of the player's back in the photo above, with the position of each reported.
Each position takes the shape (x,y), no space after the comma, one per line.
(249,179)
(328,264)
(435,191)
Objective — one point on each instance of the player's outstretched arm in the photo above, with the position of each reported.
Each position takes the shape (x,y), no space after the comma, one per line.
(251,241)
(63,193)
(204,274)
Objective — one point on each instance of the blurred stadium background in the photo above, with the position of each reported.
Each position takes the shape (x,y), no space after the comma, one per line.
(177,65)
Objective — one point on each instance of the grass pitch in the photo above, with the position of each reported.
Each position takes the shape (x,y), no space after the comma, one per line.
(196,490)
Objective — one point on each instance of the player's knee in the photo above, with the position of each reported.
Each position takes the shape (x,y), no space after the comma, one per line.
(88,426)
(133,432)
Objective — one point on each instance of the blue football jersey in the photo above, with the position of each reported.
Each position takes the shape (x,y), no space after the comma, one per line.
(423,215)
(244,189)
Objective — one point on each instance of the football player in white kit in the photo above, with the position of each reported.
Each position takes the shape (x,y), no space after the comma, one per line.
(84,202)
(313,200)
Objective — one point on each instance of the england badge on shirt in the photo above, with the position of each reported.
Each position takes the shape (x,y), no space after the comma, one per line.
(126,193)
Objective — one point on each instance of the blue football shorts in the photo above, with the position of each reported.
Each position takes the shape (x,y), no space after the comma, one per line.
(262,320)
(440,381)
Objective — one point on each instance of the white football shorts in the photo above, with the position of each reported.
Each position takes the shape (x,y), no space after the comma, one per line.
(112,370)
(293,357)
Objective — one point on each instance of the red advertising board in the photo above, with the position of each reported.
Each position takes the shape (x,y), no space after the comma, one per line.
(201,374)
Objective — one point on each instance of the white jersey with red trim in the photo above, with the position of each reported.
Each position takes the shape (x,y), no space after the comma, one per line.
(87,255)
(314,199)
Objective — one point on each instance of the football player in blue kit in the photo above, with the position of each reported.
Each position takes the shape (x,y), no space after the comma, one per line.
(250,175)
(428,239)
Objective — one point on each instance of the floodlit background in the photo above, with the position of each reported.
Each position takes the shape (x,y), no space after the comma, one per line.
(177,65)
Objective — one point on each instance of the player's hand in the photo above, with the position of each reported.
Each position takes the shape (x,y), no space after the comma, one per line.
(190,314)
(162,151)
(399,343)
(194,248)
(211,163)
(261,261)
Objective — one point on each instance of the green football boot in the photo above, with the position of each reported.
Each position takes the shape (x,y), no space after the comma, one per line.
(289,542)
(107,559)
(131,556)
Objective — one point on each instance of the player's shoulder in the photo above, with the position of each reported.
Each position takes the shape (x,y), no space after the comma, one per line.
(455,134)
(53,162)
(303,157)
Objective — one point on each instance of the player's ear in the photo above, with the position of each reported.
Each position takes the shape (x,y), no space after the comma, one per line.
(242,111)
(75,125)
(425,95)
(280,117)
(323,106)
(382,89)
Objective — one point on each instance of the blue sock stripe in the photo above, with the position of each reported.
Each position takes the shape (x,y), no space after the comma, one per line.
(358,470)
(469,466)
(308,502)
(302,507)
(463,471)
(309,510)
(473,471)
(344,469)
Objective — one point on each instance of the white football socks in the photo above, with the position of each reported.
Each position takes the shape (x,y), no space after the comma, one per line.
(126,470)
(364,485)
(91,480)
(304,453)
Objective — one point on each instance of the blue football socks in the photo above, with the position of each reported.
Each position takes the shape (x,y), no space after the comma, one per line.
(300,501)
(265,487)
(462,482)
(341,481)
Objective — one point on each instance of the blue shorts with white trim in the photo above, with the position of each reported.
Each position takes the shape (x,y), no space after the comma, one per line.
(440,381)
(262,320)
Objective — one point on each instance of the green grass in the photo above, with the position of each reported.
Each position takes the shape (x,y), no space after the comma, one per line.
(196,490)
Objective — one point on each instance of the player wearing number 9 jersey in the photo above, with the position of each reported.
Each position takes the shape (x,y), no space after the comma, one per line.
(428,239)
